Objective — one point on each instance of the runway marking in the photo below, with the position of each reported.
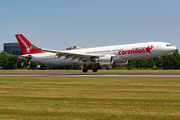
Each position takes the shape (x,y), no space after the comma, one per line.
(86,75)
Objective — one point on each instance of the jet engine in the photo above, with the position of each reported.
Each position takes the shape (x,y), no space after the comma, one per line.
(122,62)
(105,60)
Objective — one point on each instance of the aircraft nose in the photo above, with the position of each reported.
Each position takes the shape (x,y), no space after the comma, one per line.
(174,48)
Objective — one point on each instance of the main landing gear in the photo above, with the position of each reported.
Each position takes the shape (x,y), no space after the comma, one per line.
(85,70)
(95,69)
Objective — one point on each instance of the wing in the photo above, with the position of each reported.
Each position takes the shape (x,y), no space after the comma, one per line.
(69,54)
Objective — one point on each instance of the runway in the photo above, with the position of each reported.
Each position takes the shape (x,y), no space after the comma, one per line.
(86,75)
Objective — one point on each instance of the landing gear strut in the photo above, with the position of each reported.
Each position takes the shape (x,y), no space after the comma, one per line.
(86,68)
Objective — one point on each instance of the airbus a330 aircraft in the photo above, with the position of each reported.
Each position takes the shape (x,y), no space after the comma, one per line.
(96,57)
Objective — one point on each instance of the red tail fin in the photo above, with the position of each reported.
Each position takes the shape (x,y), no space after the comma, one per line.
(26,45)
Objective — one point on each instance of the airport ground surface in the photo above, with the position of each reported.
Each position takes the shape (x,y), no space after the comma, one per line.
(82,97)
(100,73)
(107,72)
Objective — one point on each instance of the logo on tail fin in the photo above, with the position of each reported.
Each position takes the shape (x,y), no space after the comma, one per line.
(25,44)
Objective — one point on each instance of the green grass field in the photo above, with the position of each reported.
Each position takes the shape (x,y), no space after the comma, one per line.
(46,98)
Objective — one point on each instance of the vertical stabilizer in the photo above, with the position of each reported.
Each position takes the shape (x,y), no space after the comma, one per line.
(25,45)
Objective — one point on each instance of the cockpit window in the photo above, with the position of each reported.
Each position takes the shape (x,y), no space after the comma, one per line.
(169,45)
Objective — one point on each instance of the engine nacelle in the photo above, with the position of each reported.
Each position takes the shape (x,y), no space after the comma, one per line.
(105,60)
(122,62)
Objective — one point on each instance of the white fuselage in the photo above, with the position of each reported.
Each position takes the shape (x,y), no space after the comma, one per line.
(119,53)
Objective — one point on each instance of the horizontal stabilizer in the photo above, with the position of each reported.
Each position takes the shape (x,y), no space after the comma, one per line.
(28,57)
(35,47)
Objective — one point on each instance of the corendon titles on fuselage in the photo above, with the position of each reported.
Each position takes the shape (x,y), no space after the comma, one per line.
(136,51)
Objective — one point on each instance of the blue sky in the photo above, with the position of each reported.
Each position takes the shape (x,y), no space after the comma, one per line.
(58,24)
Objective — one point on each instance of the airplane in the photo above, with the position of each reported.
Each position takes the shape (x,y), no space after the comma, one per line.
(93,58)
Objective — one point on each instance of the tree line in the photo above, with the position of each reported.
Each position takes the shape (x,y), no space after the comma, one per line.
(171,61)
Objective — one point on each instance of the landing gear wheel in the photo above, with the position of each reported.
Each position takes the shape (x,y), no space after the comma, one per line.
(99,67)
(84,70)
(94,70)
